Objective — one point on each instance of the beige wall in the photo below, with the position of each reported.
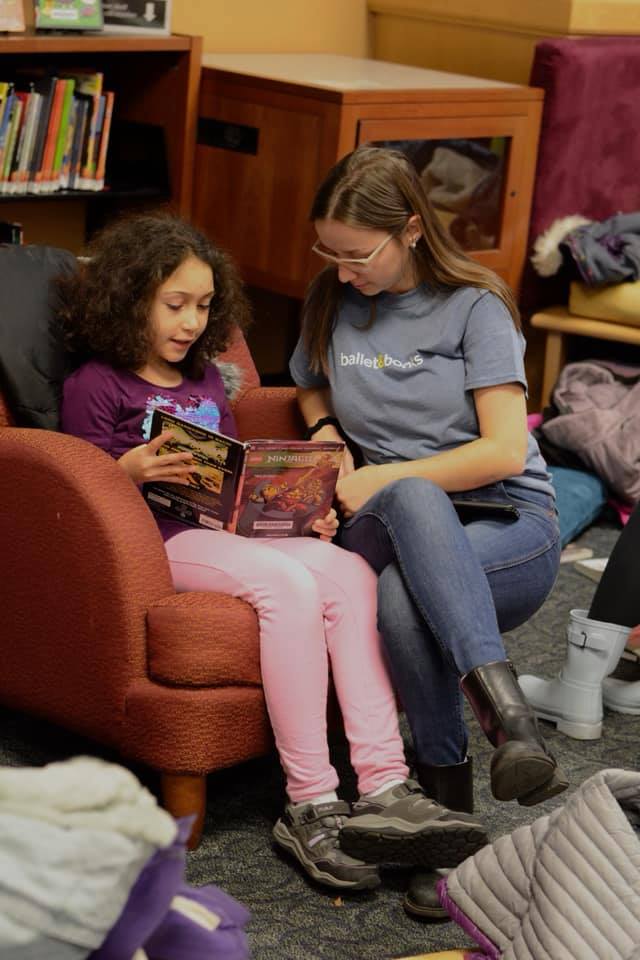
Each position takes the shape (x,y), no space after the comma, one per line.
(276,26)
(492,38)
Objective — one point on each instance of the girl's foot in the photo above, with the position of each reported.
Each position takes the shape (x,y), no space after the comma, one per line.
(310,833)
(402,825)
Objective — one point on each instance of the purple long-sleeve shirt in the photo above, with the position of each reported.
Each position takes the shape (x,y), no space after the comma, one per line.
(113,409)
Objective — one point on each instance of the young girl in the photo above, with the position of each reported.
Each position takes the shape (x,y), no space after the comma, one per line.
(152,304)
(414,352)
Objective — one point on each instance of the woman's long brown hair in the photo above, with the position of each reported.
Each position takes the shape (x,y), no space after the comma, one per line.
(380,189)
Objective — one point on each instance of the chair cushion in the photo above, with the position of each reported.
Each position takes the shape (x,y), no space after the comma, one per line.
(32,357)
(580,498)
(618,302)
(203,640)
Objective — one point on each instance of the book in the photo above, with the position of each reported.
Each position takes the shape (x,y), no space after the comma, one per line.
(44,174)
(12,16)
(68,14)
(88,159)
(137,16)
(103,144)
(256,488)
(593,568)
(10,142)
(63,131)
(31,126)
(79,131)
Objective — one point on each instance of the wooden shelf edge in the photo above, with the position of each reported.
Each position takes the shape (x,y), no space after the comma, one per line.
(18,44)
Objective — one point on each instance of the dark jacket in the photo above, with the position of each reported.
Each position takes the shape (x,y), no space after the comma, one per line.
(32,356)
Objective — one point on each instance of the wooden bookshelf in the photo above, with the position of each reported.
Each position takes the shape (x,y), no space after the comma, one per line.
(155,80)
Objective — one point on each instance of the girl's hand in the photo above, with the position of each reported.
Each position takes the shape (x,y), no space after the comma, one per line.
(326,526)
(353,490)
(142,464)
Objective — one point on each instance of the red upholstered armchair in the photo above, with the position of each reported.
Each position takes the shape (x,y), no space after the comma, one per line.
(93,635)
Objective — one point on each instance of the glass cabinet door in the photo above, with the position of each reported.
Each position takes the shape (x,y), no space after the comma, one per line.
(464,180)
(470,168)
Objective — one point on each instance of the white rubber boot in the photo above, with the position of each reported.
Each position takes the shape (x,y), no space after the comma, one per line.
(622,696)
(573,700)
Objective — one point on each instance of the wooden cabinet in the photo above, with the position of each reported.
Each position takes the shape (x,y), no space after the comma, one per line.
(151,150)
(271,126)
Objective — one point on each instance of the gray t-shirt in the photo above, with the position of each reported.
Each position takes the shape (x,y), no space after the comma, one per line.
(402,388)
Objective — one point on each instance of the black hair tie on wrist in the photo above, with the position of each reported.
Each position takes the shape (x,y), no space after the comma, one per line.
(319,424)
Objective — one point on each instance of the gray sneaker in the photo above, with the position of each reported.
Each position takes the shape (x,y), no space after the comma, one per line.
(310,833)
(402,825)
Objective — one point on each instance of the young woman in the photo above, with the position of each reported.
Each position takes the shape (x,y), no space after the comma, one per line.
(151,305)
(414,352)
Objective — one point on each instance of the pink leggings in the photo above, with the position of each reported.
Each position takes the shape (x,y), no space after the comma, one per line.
(315,603)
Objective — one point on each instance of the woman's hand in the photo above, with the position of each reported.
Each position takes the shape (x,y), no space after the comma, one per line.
(354,489)
(326,526)
(347,465)
(143,465)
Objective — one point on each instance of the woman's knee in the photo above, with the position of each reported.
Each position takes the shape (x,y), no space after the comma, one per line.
(413,498)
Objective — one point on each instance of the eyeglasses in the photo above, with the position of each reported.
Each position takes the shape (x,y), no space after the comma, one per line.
(351,261)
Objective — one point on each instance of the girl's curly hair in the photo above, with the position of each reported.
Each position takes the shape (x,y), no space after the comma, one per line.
(105,303)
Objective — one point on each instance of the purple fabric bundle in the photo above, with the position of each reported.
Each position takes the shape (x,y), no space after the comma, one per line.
(170,920)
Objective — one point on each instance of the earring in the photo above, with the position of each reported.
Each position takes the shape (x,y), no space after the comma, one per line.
(413,243)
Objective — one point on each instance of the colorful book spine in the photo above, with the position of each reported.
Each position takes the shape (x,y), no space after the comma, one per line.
(66,156)
(7,107)
(104,140)
(26,123)
(47,89)
(88,166)
(63,131)
(45,174)
(12,136)
(33,119)
(79,134)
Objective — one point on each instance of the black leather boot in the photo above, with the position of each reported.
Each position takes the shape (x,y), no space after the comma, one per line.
(522,768)
(452,786)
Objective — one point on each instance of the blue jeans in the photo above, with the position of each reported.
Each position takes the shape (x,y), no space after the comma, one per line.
(447,588)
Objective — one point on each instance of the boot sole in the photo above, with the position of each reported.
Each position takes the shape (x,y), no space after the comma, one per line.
(611,686)
(518,769)
(427,914)
(576,729)
(289,843)
(555,785)
(437,846)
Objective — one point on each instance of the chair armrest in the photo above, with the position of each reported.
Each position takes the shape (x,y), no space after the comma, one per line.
(270,412)
(82,563)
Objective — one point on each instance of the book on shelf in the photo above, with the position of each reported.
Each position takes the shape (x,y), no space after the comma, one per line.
(12,16)
(137,16)
(44,176)
(54,131)
(10,139)
(63,132)
(20,172)
(256,488)
(79,133)
(68,14)
(103,143)
(592,568)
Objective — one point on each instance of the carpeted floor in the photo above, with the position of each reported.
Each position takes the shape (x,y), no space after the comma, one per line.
(291,918)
